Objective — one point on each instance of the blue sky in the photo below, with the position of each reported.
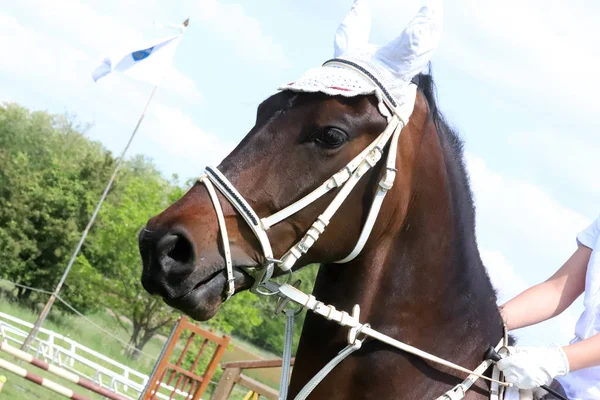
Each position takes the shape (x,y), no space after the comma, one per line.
(516,78)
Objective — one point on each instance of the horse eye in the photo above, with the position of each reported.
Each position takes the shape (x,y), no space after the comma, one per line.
(330,138)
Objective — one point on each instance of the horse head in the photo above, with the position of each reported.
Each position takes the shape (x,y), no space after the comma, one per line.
(312,136)
(299,141)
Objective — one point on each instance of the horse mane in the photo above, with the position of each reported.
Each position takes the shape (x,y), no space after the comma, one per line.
(459,174)
(427,87)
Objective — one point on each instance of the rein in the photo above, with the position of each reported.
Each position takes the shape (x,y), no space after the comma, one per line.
(345,179)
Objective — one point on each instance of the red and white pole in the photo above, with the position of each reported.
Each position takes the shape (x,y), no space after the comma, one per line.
(60,372)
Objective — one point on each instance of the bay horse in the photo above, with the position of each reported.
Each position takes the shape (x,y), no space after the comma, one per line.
(419,277)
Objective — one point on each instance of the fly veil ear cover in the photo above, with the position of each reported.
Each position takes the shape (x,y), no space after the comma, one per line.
(393,65)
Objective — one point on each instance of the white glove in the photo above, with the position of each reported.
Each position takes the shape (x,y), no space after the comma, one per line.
(531,367)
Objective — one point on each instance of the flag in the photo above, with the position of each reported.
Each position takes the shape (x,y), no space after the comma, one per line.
(147,61)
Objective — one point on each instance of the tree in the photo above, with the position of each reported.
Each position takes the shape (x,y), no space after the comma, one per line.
(50,181)
(50,176)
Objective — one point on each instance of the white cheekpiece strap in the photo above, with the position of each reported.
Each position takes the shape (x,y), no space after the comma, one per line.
(384,186)
(334,182)
(318,227)
(224,238)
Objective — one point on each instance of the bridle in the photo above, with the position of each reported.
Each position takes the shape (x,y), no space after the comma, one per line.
(345,179)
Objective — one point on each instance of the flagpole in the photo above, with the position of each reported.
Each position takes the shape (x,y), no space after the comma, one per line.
(42,317)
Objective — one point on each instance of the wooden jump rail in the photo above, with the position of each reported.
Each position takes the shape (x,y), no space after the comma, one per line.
(61,373)
(232,374)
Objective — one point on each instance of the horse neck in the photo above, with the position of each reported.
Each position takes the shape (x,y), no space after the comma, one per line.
(424,284)
(428,278)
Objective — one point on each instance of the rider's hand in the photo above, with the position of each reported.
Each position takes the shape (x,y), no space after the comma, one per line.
(531,367)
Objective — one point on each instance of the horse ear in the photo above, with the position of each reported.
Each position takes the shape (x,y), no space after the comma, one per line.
(354,30)
(409,54)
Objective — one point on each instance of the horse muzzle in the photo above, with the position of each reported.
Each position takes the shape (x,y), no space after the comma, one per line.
(188,280)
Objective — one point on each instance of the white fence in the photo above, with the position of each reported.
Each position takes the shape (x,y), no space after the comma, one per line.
(60,350)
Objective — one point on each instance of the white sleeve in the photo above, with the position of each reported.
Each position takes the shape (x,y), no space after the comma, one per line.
(589,236)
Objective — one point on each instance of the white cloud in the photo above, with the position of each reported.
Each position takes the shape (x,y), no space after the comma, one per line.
(59,43)
(538,47)
(544,50)
(60,57)
(544,28)
(80,24)
(230,21)
(524,236)
(183,140)
(566,156)
(31,55)
(73,41)
(522,213)
(181,85)
(60,68)
(4,98)
(505,279)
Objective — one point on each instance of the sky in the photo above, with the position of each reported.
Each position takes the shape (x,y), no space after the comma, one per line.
(515,78)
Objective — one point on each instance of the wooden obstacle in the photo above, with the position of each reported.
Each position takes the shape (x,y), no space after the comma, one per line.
(188,382)
(61,373)
(232,374)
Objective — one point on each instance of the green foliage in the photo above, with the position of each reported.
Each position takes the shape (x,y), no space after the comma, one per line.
(50,181)
(243,306)
(51,177)
(113,249)
(270,334)
(252,318)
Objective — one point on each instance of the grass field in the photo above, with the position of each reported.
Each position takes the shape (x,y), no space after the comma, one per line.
(80,330)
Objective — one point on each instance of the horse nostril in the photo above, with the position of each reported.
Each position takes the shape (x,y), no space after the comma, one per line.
(182,251)
(176,247)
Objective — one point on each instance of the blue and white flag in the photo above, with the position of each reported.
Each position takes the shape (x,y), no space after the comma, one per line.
(147,61)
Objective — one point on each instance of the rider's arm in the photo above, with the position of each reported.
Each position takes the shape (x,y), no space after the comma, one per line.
(584,354)
(550,298)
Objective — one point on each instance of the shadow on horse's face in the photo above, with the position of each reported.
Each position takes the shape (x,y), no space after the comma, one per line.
(298,142)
